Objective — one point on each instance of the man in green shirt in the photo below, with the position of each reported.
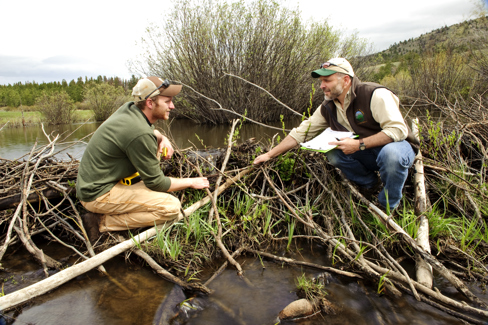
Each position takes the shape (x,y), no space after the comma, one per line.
(124,144)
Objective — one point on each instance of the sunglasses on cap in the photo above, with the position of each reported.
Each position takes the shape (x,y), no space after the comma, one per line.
(165,84)
(328,64)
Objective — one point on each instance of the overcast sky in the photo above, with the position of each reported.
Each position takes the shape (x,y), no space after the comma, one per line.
(52,40)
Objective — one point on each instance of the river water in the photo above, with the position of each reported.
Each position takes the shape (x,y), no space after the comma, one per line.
(136,295)
(17,142)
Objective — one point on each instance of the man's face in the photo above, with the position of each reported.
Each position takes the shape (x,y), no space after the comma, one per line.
(162,106)
(332,86)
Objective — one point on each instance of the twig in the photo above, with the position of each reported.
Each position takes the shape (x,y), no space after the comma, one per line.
(194,287)
(290,109)
(222,170)
(312,265)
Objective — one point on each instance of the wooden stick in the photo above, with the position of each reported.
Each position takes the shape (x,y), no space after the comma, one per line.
(423,270)
(312,265)
(429,258)
(222,170)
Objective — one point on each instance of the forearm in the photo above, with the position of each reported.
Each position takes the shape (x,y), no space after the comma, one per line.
(178,184)
(376,140)
(285,145)
(350,146)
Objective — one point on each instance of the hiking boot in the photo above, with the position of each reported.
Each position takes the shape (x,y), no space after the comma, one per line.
(91,222)
(368,193)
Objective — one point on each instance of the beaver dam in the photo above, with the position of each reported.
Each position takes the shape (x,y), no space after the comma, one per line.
(292,203)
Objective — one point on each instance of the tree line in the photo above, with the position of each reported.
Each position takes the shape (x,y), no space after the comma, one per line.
(14,95)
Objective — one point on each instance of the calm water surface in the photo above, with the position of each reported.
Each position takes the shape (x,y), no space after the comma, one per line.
(17,142)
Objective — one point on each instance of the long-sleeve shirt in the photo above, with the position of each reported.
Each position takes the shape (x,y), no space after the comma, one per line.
(385,110)
(123,144)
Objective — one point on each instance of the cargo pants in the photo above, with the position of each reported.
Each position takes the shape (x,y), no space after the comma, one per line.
(126,207)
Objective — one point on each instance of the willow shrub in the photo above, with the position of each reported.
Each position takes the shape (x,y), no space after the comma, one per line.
(104,99)
(261,41)
(55,107)
(440,77)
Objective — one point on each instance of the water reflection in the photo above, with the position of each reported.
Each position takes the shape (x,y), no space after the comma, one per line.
(18,142)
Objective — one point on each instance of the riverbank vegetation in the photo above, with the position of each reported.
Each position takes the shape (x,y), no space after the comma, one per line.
(34,117)
(100,100)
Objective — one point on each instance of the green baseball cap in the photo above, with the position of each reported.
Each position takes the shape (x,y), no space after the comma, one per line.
(332,66)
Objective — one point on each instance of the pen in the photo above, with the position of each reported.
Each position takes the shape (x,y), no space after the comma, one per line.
(338,139)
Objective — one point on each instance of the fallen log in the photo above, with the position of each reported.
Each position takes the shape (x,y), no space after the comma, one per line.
(23,295)
(34,197)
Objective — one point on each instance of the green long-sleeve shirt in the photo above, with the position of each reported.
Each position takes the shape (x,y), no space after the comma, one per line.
(123,144)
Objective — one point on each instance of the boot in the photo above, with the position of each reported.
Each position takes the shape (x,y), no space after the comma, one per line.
(370,193)
(91,222)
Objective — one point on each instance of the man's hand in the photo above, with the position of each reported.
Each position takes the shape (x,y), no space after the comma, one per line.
(261,158)
(199,183)
(285,145)
(163,142)
(347,145)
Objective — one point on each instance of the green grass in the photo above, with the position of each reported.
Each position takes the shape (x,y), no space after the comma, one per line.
(14,118)
(310,287)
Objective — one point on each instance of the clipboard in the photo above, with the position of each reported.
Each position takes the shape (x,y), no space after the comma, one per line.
(321,142)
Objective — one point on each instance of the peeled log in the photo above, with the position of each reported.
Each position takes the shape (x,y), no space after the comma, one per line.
(423,269)
(298,308)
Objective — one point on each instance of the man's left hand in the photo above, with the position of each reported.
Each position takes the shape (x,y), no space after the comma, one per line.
(347,145)
(163,142)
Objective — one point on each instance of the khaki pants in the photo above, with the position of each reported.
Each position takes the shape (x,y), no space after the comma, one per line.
(126,207)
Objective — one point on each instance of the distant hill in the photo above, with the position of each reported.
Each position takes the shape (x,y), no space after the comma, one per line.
(460,36)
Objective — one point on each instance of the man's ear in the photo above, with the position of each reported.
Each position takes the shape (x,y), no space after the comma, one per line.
(149,103)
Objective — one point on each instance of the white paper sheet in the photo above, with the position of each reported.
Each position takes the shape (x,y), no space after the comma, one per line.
(321,142)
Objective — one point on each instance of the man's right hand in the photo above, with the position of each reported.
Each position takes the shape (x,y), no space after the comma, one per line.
(283,147)
(262,158)
(199,183)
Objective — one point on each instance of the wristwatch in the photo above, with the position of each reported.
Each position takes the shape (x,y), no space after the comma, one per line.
(362,146)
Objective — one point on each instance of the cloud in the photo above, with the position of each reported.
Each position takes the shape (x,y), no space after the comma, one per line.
(55,68)
(418,21)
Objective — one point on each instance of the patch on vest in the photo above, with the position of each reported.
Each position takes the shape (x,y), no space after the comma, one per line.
(359,117)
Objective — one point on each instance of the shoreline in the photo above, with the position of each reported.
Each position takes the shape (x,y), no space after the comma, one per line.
(13,118)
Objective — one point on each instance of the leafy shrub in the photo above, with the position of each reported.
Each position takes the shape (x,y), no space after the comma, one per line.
(202,42)
(432,74)
(104,99)
(56,107)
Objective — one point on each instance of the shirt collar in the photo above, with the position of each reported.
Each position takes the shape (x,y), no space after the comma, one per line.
(142,113)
